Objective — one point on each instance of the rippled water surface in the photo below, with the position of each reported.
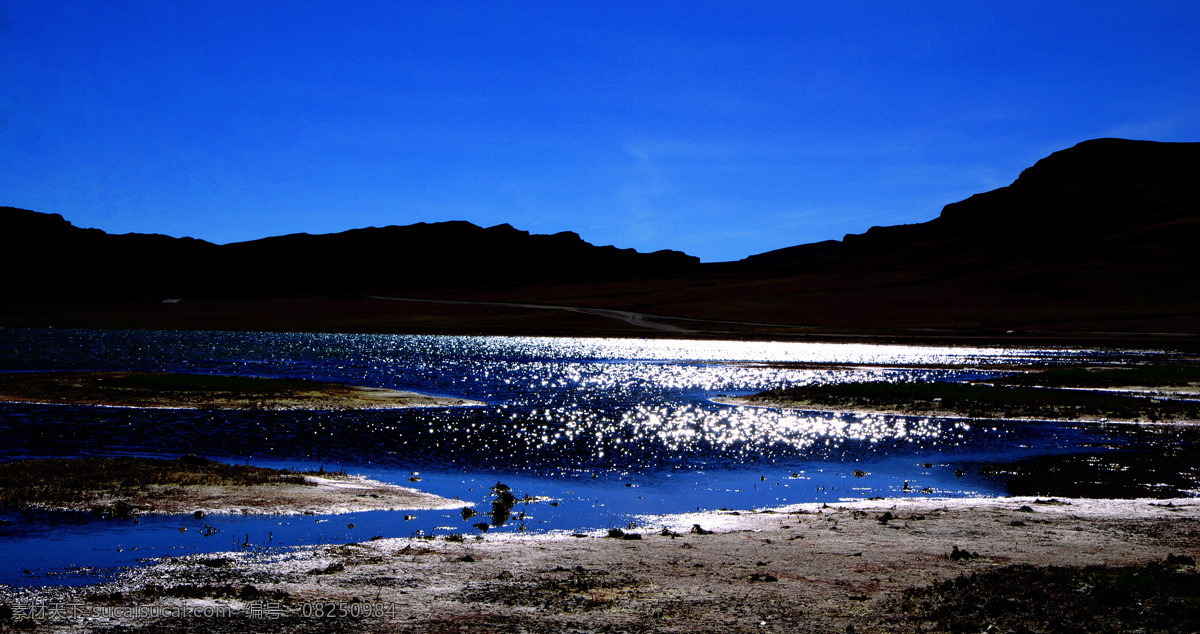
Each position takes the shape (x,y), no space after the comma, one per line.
(612,429)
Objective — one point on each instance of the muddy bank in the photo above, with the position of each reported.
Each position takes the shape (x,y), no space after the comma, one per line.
(128,486)
(874,566)
(201,391)
(1126,394)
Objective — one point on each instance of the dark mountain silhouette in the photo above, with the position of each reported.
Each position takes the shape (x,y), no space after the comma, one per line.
(46,257)
(1103,236)
(51,259)
(1102,231)
(1104,199)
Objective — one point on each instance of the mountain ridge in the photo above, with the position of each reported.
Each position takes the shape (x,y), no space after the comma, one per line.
(1102,235)
(1100,163)
(428,254)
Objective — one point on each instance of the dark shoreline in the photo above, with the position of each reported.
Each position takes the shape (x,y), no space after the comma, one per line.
(363,315)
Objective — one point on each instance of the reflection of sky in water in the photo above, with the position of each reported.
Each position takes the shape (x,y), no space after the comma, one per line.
(611,427)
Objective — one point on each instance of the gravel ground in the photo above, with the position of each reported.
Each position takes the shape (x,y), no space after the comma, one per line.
(866,566)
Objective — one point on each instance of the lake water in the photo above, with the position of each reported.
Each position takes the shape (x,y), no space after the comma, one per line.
(611,429)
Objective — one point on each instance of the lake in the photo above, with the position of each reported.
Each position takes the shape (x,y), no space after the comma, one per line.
(614,431)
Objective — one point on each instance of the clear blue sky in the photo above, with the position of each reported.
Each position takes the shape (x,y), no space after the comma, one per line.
(721,129)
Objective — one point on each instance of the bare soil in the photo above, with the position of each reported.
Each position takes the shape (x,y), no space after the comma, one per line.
(863,566)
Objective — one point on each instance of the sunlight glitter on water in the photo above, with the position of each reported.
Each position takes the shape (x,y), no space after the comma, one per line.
(609,426)
(688,350)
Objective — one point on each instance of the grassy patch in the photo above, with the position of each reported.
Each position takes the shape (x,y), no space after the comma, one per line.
(146,388)
(1162,596)
(574,590)
(155,389)
(1108,377)
(63,482)
(1164,472)
(982,401)
(207,382)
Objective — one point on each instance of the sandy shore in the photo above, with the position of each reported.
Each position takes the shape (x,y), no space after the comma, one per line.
(800,568)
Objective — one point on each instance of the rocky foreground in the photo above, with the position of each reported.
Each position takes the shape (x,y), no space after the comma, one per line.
(1013,564)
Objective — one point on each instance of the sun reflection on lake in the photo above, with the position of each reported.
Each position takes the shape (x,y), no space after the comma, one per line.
(611,427)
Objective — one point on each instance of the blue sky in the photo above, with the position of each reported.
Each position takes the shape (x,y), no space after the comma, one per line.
(722,129)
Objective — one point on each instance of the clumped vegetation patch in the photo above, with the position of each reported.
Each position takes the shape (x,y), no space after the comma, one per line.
(980,401)
(1108,377)
(69,482)
(151,389)
(199,391)
(565,590)
(1160,596)
(1164,472)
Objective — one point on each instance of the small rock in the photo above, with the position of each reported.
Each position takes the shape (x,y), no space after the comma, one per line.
(958,555)
(1180,560)
(328,570)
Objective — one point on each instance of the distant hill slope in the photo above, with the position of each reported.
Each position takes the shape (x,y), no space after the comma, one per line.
(1107,225)
(1133,198)
(45,256)
(1105,233)
(51,259)
(1103,236)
